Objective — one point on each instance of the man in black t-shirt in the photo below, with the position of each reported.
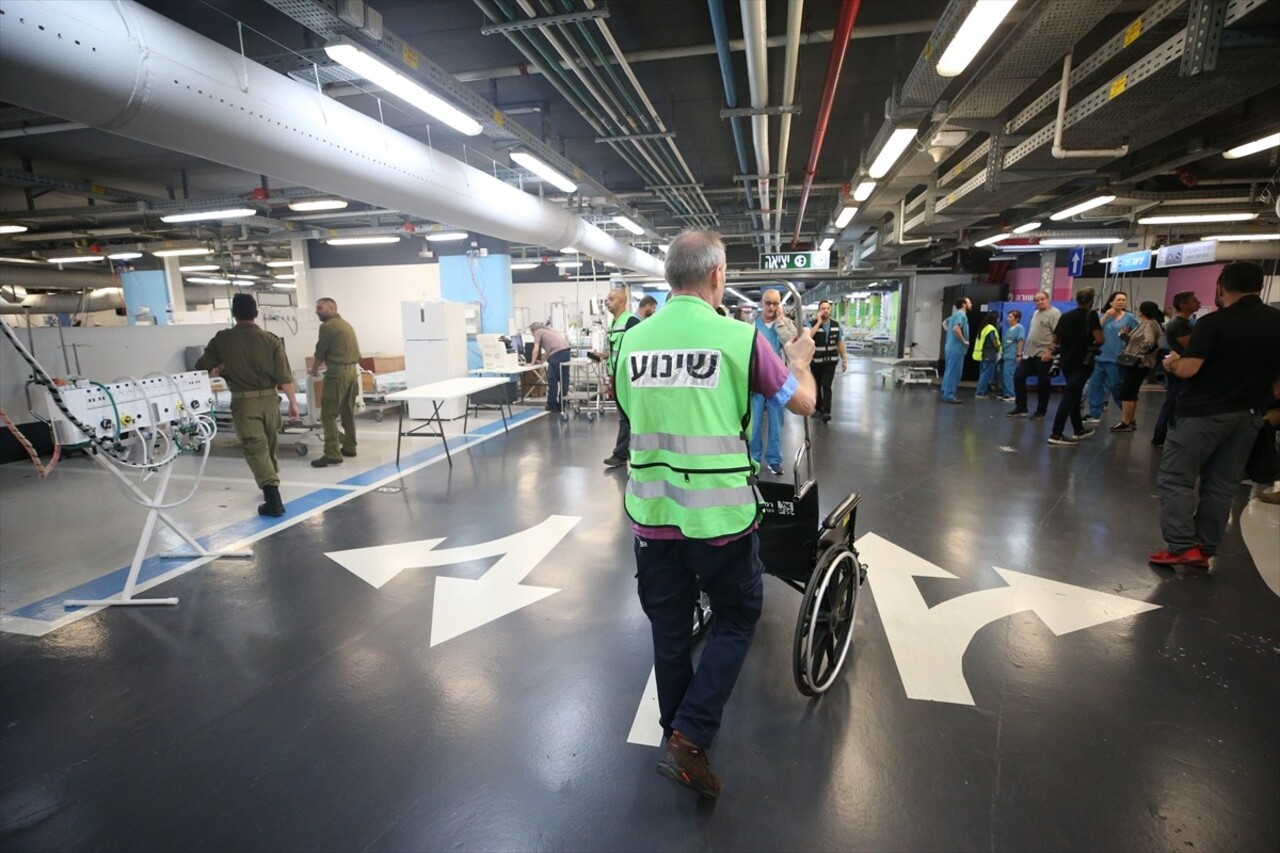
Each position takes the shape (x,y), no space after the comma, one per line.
(1232,368)
(1177,332)
(1077,332)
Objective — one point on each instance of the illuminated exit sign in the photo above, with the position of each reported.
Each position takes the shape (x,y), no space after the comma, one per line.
(795,261)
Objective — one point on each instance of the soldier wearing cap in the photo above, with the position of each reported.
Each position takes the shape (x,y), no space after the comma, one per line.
(339,354)
(253,363)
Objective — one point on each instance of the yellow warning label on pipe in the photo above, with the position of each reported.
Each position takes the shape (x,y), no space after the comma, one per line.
(1134,30)
(409,55)
(1117,86)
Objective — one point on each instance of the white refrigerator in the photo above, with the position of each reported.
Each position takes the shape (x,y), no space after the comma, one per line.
(435,348)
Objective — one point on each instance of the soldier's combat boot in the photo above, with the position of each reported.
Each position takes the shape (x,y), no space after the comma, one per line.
(273,506)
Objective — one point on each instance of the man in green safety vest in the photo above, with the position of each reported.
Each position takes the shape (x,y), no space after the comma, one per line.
(684,378)
(617,302)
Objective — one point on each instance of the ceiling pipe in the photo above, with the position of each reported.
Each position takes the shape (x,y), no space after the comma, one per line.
(720,27)
(1060,153)
(790,62)
(839,48)
(104,299)
(49,277)
(41,129)
(141,75)
(754,33)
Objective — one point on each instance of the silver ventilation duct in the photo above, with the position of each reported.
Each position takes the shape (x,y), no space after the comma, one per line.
(105,299)
(46,277)
(125,69)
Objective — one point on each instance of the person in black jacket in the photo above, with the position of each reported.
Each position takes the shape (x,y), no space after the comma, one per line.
(1074,340)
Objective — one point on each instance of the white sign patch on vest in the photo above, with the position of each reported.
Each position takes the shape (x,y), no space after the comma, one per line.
(688,368)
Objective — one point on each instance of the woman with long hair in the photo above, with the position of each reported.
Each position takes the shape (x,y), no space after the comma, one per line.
(1137,360)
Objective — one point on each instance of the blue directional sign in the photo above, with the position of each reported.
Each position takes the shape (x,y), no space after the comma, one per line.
(1133,262)
(1075,263)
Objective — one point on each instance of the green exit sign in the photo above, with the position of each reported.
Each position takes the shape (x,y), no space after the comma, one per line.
(795,261)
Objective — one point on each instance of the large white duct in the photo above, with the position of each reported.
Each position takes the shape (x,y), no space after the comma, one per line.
(46,277)
(123,68)
(105,299)
(755,34)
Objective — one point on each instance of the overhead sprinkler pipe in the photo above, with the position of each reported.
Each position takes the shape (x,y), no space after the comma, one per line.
(755,33)
(1061,153)
(839,49)
(720,27)
(791,61)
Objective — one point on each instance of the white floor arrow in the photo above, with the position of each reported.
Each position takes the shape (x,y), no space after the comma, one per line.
(461,604)
(929,643)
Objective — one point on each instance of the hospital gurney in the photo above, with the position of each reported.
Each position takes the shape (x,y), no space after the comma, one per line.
(305,426)
(582,388)
(911,371)
(375,388)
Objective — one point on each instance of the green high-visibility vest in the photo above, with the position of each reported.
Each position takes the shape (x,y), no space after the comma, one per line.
(682,381)
(616,331)
(987,332)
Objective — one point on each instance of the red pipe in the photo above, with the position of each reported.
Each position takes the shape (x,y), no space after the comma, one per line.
(839,47)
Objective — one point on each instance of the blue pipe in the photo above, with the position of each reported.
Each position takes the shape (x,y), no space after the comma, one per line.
(721,28)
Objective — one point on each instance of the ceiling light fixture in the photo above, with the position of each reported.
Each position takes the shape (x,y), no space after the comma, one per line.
(825,245)
(525,265)
(1023,229)
(361,241)
(542,170)
(285,285)
(125,256)
(892,150)
(662,247)
(571,250)
(20,261)
(987,241)
(846,216)
(209,215)
(629,224)
(76,259)
(446,236)
(1078,241)
(12,229)
(183,252)
(200,280)
(568,265)
(979,26)
(285,276)
(374,70)
(610,264)
(318,204)
(279,264)
(864,190)
(1242,238)
(1097,201)
(1197,217)
(199,268)
(1252,147)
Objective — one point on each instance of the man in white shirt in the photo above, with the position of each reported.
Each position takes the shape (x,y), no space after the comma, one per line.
(1037,358)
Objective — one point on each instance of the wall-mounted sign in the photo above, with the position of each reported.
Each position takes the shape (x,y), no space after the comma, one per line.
(1202,252)
(1133,262)
(795,261)
(1075,262)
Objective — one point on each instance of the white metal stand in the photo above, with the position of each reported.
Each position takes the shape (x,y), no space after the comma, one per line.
(148,530)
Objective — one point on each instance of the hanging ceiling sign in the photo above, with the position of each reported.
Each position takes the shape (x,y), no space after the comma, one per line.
(1201,252)
(1133,262)
(795,261)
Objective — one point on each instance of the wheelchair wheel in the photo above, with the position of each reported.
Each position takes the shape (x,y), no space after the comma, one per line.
(824,629)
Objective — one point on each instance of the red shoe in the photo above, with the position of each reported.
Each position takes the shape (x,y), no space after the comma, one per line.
(1192,556)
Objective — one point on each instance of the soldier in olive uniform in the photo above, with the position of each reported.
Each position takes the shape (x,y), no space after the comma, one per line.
(253,363)
(339,354)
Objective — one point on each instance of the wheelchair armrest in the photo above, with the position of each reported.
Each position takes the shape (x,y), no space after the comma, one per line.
(846,506)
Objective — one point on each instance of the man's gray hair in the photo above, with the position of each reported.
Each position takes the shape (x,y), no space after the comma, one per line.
(692,257)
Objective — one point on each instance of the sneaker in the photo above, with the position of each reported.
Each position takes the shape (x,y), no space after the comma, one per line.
(1124,427)
(1090,419)
(954,401)
(615,461)
(1038,416)
(685,762)
(776,470)
(1088,431)
(324,461)
(982,396)
(1192,556)
(1008,399)
(1063,441)
(1017,413)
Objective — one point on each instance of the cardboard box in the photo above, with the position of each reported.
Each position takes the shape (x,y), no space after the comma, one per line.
(366,383)
(383,363)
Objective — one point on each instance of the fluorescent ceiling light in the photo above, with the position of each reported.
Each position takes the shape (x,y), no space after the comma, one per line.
(662,247)
(199,280)
(286,276)
(568,265)
(380,74)
(610,264)
(76,259)
(892,150)
(570,250)
(846,216)
(1079,241)
(125,256)
(1197,217)
(361,241)
(542,170)
(199,268)
(12,229)
(1098,201)
(318,204)
(981,23)
(995,238)
(446,236)
(244,277)
(1023,229)
(285,285)
(1242,238)
(205,215)
(178,253)
(20,261)
(526,265)
(864,190)
(1253,147)
(280,264)
(629,224)
(825,245)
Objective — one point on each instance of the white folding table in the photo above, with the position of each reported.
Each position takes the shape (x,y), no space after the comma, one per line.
(437,394)
(512,373)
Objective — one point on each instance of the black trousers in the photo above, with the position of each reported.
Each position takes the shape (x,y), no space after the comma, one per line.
(823,374)
(1033,365)
(1069,406)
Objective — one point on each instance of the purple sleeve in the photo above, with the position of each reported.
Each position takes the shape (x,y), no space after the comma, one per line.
(769,376)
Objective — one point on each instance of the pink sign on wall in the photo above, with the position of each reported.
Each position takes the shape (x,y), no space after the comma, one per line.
(1024,283)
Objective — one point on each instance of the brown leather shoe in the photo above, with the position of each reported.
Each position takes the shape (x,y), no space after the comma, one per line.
(686,762)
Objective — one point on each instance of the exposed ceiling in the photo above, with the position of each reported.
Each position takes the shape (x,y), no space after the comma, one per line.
(646,137)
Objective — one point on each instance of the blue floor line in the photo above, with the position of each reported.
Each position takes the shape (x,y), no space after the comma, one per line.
(111,584)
